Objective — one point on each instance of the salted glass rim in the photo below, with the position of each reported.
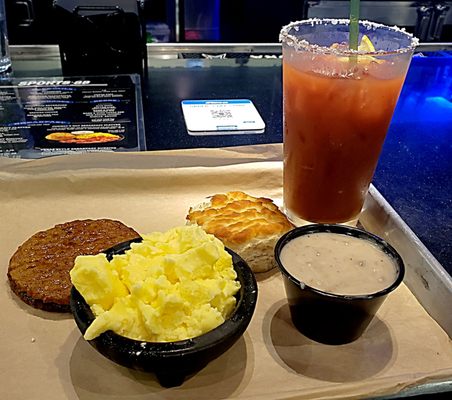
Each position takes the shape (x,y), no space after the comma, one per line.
(292,40)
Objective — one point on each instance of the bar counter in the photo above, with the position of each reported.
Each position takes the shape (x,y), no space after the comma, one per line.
(415,170)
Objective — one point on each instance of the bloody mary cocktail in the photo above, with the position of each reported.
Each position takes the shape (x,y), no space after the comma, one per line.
(338,104)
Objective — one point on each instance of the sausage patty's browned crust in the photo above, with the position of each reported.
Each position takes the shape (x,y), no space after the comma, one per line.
(39,269)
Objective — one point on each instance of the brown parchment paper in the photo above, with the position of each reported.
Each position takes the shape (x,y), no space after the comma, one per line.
(43,355)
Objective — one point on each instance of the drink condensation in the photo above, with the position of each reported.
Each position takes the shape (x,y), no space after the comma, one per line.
(5,59)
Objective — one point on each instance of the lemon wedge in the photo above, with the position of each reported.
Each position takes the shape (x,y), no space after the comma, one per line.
(366,45)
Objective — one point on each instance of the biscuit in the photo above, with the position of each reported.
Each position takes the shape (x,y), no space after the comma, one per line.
(248,225)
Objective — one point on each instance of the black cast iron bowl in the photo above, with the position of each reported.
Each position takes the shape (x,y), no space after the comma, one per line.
(327,317)
(172,362)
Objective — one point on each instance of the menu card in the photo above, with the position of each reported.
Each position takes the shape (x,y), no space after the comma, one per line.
(40,117)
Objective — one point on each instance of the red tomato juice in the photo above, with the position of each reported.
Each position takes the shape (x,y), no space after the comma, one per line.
(334,129)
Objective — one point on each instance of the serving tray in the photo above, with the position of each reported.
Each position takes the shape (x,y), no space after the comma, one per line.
(407,348)
(425,277)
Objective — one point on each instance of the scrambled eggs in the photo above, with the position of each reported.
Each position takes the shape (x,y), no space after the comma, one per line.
(171,286)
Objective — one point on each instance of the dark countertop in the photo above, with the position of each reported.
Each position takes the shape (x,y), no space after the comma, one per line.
(414,173)
(199,79)
(415,170)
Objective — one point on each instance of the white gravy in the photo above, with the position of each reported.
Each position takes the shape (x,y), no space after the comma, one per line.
(338,264)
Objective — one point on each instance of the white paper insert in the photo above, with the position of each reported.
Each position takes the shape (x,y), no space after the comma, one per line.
(221,117)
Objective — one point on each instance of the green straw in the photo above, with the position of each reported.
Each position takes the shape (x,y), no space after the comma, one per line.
(354,25)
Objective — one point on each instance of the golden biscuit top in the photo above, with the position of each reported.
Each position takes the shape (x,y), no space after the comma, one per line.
(236,218)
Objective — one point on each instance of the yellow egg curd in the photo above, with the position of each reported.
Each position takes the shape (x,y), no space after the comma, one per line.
(171,286)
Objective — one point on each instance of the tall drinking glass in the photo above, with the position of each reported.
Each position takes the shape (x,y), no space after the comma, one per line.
(338,104)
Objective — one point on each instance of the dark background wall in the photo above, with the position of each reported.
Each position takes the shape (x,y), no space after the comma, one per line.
(240,21)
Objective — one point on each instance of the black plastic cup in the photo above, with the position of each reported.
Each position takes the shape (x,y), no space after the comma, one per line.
(327,317)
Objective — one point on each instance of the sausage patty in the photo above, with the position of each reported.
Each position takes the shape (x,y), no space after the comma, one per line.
(38,271)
